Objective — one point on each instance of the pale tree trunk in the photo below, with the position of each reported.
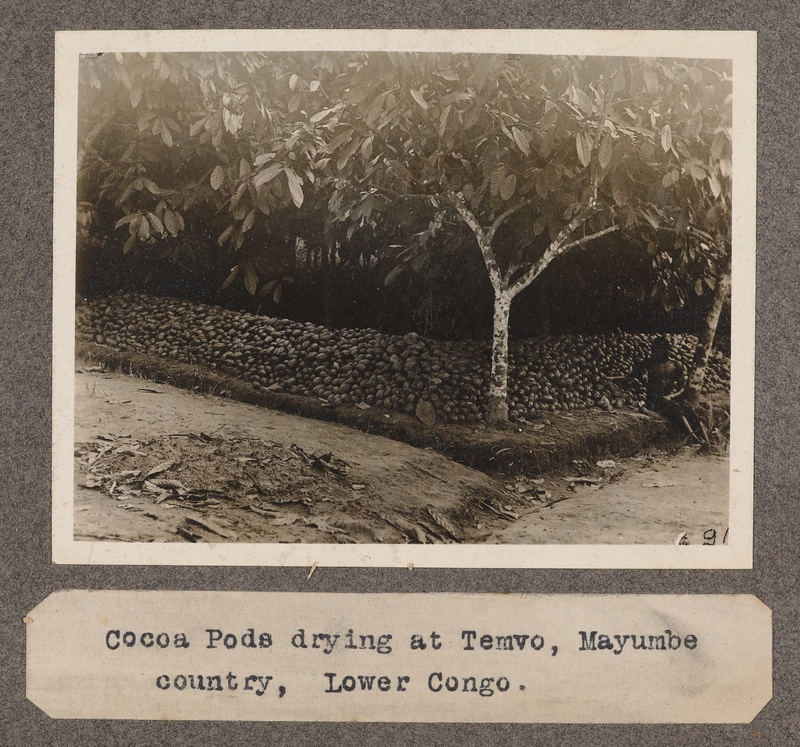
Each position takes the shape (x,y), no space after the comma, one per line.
(497,406)
(505,290)
(706,338)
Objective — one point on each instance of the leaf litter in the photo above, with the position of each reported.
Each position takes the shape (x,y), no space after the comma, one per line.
(208,476)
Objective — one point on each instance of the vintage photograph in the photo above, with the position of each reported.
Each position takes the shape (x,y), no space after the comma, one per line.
(373,299)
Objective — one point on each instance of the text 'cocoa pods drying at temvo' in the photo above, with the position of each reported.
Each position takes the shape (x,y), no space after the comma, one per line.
(348,366)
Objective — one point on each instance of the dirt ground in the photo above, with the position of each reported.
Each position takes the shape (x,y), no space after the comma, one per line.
(154,463)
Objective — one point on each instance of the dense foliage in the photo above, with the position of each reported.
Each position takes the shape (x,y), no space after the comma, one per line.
(392,162)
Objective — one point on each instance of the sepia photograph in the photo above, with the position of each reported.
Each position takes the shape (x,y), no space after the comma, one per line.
(480,299)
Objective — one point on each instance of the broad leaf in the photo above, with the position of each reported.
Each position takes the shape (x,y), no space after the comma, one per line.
(618,192)
(142,228)
(247,223)
(426,413)
(226,234)
(126,219)
(522,141)
(670,178)
(508,187)
(447,75)
(260,160)
(267,288)
(197,127)
(151,186)
(268,174)
(651,81)
(496,181)
(443,121)
(295,186)
(217,177)
(694,126)
(583,145)
(157,225)
(393,274)
(172,124)
(319,116)
(666,138)
(604,152)
(171,222)
(697,171)
(718,144)
(233,275)
(250,279)
(716,187)
(341,138)
(417,96)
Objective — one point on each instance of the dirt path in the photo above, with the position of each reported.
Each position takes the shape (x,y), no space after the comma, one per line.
(157,463)
(653,501)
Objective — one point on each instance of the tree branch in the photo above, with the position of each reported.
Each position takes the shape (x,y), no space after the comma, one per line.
(401,195)
(588,238)
(503,217)
(556,248)
(484,239)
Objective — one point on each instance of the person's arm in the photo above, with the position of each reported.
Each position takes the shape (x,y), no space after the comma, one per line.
(636,373)
(678,383)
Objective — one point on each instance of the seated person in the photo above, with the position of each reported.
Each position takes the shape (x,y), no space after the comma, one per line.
(666,377)
(666,380)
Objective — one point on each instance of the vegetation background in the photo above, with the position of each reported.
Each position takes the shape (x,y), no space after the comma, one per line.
(323,178)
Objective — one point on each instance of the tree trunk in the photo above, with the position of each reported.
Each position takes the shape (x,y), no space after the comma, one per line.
(706,337)
(497,406)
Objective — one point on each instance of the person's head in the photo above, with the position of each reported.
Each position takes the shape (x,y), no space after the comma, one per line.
(660,350)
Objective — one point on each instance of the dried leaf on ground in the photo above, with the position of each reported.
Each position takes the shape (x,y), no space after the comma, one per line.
(212,527)
(660,483)
(324,461)
(322,523)
(442,521)
(171,484)
(159,468)
(426,413)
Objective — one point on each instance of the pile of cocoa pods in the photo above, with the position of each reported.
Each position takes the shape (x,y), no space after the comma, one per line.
(368,367)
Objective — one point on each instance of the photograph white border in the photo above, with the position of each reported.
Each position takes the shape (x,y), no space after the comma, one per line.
(739,46)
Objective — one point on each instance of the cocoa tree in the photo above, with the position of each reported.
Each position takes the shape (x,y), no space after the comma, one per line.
(690,211)
(219,141)
(536,156)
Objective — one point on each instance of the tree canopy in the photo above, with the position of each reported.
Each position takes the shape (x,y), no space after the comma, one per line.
(405,155)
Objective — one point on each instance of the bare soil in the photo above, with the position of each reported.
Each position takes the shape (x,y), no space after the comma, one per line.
(155,463)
